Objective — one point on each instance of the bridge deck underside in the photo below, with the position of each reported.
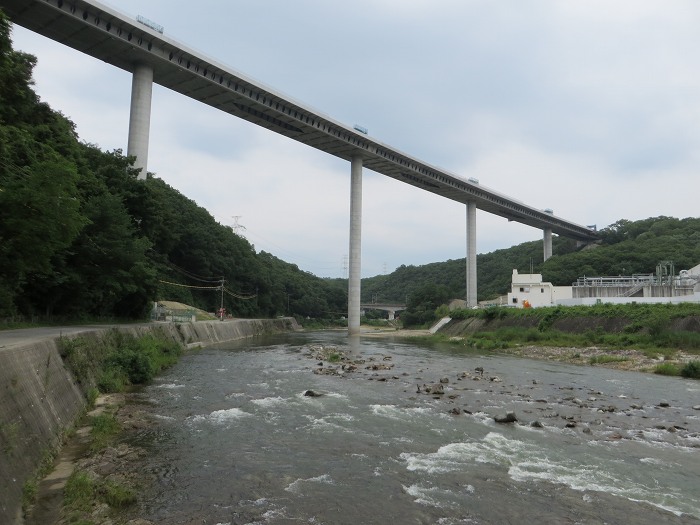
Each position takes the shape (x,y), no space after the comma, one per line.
(99,31)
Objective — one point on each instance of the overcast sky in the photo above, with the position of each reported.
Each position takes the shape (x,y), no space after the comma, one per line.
(591,108)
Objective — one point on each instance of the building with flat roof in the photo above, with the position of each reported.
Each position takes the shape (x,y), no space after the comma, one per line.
(528,290)
(664,286)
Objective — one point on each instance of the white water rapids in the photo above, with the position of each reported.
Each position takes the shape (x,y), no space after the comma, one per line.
(234,440)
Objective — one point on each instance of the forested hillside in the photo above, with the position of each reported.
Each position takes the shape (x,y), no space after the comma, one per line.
(625,248)
(80,237)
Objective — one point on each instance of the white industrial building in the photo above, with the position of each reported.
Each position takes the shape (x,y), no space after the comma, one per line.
(664,286)
(528,290)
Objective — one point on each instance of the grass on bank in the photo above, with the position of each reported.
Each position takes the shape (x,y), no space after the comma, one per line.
(639,315)
(30,488)
(105,430)
(83,492)
(105,363)
(116,360)
(648,328)
(690,370)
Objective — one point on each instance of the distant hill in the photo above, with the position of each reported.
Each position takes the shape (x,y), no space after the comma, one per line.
(82,238)
(626,248)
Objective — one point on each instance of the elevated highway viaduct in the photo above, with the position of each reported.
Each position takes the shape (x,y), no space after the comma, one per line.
(141,48)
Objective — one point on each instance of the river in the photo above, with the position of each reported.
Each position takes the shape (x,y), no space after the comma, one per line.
(234,439)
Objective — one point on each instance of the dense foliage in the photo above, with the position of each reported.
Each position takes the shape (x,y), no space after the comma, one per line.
(81,237)
(629,248)
(116,359)
(652,328)
(625,248)
(494,271)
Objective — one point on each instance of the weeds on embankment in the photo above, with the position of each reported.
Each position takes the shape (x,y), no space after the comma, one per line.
(647,327)
(690,370)
(106,363)
(117,359)
(656,330)
(85,491)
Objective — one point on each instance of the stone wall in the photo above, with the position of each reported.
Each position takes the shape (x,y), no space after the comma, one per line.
(40,399)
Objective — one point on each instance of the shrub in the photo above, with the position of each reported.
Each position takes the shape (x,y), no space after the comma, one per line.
(442,311)
(105,428)
(606,358)
(79,492)
(117,495)
(112,380)
(593,336)
(493,312)
(656,326)
(667,369)
(681,339)
(92,395)
(532,335)
(691,370)
(30,489)
(129,360)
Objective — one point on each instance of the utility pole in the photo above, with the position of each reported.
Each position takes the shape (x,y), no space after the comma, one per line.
(221,309)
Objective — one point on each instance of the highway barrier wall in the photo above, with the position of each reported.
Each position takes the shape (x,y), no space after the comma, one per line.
(40,399)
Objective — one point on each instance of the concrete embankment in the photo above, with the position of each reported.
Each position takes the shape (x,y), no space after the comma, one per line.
(40,398)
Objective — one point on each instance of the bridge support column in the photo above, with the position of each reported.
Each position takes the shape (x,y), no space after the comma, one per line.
(547,241)
(471,254)
(140,116)
(355,246)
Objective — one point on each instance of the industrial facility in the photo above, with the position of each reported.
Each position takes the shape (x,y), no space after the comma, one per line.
(663,286)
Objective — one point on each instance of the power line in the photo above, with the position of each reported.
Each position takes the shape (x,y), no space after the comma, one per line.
(226,290)
(239,296)
(194,276)
(190,286)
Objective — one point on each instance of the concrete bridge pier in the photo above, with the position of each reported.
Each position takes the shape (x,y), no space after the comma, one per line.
(140,116)
(355,245)
(547,241)
(471,255)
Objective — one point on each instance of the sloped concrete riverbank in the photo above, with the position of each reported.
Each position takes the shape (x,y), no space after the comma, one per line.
(40,399)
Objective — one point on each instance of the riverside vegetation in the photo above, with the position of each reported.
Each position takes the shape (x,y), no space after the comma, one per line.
(108,364)
(157,241)
(160,244)
(662,332)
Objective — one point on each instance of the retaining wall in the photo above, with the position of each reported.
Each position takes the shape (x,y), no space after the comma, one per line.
(39,398)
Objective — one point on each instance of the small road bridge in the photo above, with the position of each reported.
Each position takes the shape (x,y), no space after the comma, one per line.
(391,308)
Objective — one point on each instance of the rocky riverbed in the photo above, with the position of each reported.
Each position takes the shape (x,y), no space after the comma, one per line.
(627,359)
(595,412)
(481,393)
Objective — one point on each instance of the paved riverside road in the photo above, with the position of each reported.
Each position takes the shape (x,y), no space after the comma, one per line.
(25,336)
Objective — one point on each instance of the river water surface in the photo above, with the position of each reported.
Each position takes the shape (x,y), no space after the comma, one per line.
(234,440)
